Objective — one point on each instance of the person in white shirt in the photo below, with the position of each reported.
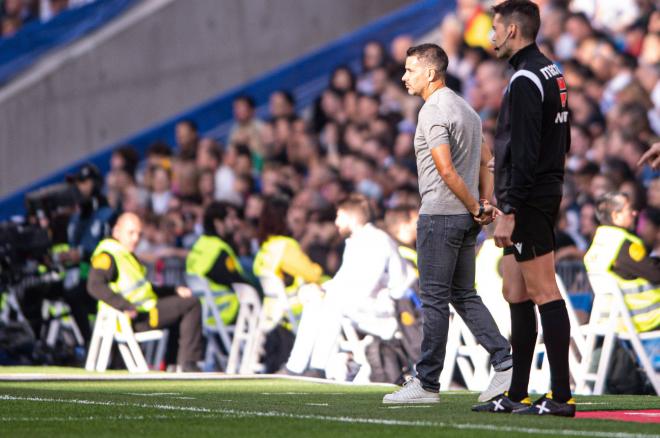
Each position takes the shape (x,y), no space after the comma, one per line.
(372,273)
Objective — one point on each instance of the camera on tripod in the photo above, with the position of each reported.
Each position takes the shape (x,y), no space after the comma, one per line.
(26,245)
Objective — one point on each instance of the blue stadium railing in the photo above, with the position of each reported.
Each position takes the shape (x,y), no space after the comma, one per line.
(305,77)
(36,38)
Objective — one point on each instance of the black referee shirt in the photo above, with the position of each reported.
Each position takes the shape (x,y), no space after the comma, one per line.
(533,131)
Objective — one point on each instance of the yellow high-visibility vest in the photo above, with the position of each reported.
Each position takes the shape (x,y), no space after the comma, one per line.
(641,297)
(201,259)
(131,280)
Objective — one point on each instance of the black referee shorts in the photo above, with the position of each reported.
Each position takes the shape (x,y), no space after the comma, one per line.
(534,233)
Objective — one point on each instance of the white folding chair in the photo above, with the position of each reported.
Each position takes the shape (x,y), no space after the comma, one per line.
(608,313)
(115,326)
(539,378)
(275,289)
(463,351)
(244,352)
(216,330)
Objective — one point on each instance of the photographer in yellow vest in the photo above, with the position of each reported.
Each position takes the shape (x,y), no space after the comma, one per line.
(619,252)
(118,279)
(212,258)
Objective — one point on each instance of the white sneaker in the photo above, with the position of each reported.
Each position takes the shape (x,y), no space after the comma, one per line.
(412,392)
(498,385)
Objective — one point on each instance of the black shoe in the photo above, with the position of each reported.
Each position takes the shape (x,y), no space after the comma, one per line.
(502,404)
(547,406)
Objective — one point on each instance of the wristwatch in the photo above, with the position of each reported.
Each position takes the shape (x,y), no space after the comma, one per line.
(481,209)
(508,209)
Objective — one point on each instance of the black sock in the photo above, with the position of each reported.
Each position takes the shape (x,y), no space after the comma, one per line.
(557,337)
(523,340)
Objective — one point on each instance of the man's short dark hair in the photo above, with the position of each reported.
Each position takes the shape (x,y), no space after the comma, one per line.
(431,54)
(190,123)
(524,13)
(215,211)
(247,99)
(159,148)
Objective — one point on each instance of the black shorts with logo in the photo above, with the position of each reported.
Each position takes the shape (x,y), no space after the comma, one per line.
(533,234)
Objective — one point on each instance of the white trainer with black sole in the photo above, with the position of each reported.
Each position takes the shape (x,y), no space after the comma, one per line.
(412,392)
(498,385)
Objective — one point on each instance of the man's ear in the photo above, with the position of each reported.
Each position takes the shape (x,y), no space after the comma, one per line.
(432,74)
(513,30)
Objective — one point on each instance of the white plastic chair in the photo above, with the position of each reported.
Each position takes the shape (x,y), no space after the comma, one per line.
(539,380)
(463,351)
(115,326)
(608,313)
(215,331)
(275,289)
(245,346)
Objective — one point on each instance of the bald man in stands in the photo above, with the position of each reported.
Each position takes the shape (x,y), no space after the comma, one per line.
(119,280)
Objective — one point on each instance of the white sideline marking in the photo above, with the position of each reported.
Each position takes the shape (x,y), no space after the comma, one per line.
(353,420)
(152,394)
(406,406)
(317,404)
(88,418)
(285,393)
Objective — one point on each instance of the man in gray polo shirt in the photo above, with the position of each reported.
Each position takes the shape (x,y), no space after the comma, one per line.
(453,176)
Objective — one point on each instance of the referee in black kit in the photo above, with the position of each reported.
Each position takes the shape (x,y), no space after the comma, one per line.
(532,139)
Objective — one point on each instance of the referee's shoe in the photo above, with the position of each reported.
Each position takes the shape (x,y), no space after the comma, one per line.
(547,406)
(502,404)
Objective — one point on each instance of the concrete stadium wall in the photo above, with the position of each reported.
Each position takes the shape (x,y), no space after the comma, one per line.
(156,63)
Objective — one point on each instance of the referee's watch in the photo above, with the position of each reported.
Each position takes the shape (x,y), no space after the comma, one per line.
(508,209)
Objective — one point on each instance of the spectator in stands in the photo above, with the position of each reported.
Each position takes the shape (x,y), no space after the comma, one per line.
(125,158)
(117,279)
(160,194)
(398,49)
(374,57)
(247,129)
(281,104)
(476,23)
(9,26)
(13,14)
(617,251)
(184,169)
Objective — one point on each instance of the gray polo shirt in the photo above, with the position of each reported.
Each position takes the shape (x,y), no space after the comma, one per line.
(446,118)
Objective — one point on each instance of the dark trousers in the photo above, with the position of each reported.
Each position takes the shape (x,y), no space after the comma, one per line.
(80,302)
(446,248)
(186,313)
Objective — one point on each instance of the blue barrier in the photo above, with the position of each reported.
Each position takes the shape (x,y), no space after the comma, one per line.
(36,38)
(306,78)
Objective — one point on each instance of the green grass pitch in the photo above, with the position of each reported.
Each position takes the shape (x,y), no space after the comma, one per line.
(275,408)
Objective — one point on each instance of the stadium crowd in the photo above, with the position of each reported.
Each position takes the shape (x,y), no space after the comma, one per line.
(14,14)
(358,138)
